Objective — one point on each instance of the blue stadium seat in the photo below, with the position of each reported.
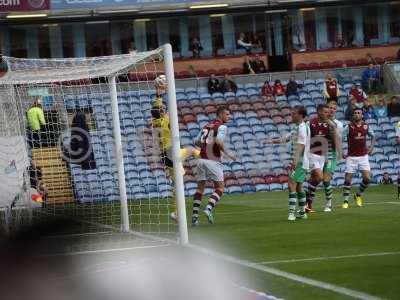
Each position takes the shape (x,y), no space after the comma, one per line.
(275,187)
(205,96)
(309,82)
(234,189)
(262,187)
(253,92)
(250,85)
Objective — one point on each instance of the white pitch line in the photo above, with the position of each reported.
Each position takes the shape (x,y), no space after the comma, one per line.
(328,258)
(105,250)
(269,270)
(278,208)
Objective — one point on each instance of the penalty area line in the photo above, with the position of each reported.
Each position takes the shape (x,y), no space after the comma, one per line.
(327,258)
(269,270)
(227,213)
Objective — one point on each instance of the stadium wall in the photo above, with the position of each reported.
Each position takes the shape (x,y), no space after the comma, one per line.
(280,33)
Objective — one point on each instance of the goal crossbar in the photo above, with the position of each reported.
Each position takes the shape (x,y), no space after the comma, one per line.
(25,71)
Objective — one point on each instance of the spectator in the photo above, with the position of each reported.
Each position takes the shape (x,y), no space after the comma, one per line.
(394,107)
(35,178)
(343,75)
(247,66)
(360,98)
(380,109)
(132,48)
(213,85)
(278,89)
(292,87)
(267,91)
(80,144)
(370,79)
(228,85)
(331,89)
(256,42)
(36,120)
(339,43)
(368,112)
(196,47)
(241,44)
(386,179)
(350,38)
(258,65)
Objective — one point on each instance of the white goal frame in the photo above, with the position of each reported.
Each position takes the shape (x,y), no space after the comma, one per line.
(16,77)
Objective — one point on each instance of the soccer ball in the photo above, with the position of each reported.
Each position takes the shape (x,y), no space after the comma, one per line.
(161,82)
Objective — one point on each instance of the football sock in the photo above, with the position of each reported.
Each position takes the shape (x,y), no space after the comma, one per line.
(292,202)
(346,191)
(196,204)
(301,196)
(312,186)
(214,198)
(328,193)
(363,186)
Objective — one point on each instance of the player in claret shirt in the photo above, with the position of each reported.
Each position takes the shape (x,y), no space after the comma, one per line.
(209,167)
(357,157)
(323,134)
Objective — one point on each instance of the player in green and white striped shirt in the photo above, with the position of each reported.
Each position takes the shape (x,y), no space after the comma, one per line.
(334,153)
(298,168)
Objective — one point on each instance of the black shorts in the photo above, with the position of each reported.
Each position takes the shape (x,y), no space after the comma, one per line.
(166,160)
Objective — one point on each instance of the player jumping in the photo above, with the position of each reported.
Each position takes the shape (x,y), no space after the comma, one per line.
(323,132)
(357,156)
(160,120)
(209,167)
(300,138)
(333,154)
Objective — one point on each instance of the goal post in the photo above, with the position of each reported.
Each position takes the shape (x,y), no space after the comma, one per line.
(176,146)
(119,155)
(98,150)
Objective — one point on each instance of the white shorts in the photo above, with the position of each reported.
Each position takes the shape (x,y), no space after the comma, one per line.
(209,170)
(317,162)
(353,163)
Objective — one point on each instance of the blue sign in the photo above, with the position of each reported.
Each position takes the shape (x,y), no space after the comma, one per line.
(91,4)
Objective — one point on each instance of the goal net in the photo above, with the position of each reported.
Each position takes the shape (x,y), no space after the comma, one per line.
(94,154)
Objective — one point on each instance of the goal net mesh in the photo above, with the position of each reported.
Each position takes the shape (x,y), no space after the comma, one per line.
(74,148)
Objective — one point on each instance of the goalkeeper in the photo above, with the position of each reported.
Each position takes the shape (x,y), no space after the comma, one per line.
(160,120)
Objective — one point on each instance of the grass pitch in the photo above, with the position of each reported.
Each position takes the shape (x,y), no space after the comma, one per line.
(356,248)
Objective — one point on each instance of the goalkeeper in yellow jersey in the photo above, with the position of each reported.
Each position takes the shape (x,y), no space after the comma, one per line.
(160,121)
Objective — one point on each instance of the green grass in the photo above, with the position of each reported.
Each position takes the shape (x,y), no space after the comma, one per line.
(254,227)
